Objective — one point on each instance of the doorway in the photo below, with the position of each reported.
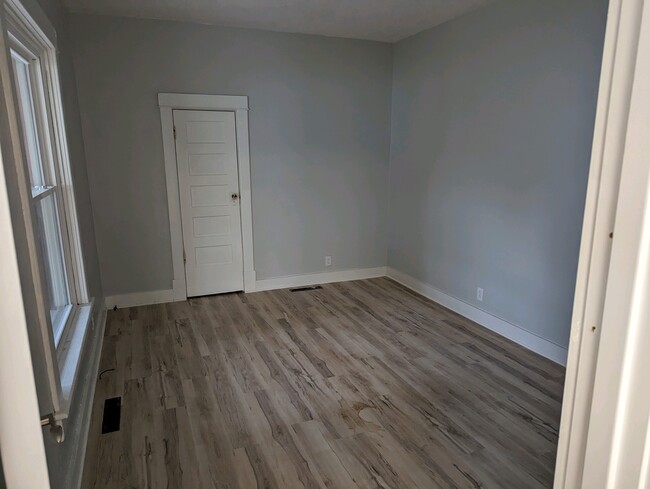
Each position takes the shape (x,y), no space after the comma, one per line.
(207,167)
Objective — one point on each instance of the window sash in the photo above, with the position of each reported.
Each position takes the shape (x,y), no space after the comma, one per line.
(33,155)
(48,234)
(52,227)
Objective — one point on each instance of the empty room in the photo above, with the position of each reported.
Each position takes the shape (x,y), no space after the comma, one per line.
(324,244)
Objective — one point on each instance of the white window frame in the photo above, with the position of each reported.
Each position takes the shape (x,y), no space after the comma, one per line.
(32,37)
(50,170)
(62,353)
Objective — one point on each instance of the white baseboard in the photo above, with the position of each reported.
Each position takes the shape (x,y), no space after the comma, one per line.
(179,292)
(319,278)
(161,296)
(140,298)
(250,281)
(511,331)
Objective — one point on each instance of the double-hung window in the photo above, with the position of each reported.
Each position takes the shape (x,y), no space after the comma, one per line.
(55,244)
(47,196)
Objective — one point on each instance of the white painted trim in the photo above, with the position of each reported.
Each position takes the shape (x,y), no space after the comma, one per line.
(67,184)
(245,200)
(202,102)
(31,12)
(250,281)
(239,104)
(617,72)
(617,453)
(74,478)
(140,298)
(319,278)
(70,353)
(161,296)
(511,331)
(173,203)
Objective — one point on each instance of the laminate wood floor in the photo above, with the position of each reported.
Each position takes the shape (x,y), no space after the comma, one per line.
(356,385)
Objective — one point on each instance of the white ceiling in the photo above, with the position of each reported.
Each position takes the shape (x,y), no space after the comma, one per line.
(378,20)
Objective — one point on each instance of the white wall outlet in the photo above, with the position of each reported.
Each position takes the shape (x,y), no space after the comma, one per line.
(479,294)
(328,261)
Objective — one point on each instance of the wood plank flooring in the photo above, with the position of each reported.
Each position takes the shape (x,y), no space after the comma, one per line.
(356,385)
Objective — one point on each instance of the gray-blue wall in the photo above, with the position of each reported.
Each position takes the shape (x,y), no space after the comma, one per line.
(492,124)
(492,121)
(319,135)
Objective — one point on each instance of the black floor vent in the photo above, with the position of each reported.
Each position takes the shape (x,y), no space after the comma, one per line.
(111,419)
(302,289)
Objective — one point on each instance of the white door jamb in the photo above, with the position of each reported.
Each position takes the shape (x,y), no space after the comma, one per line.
(610,131)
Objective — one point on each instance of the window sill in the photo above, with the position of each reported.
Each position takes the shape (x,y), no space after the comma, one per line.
(60,321)
(70,350)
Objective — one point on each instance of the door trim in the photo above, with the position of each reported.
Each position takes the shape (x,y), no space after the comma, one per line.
(168,102)
(621,43)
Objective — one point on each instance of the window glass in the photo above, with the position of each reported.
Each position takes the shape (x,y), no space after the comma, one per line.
(49,237)
(28,119)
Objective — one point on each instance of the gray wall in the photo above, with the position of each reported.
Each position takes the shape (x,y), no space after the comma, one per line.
(492,120)
(319,134)
(491,137)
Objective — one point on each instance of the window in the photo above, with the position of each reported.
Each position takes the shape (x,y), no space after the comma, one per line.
(62,317)
(46,161)
(47,197)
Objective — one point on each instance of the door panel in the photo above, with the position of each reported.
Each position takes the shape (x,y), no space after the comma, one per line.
(208,179)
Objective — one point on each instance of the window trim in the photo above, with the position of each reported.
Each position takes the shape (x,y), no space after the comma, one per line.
(32,98)
(23,29)
(31,28)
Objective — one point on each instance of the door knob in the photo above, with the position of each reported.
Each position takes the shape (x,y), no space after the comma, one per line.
(234,196)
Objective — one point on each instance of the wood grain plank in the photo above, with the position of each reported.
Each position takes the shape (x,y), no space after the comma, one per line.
(355,385)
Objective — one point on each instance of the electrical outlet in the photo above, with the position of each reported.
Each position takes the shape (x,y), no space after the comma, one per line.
(328,261)
(479,294)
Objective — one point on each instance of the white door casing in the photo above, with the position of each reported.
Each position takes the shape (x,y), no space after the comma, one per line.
(617,70)
(617,454)
(208,181)
(238,104)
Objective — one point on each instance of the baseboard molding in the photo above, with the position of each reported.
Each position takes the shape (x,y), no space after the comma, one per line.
(319,278)
(140,298)
(511,331)
(179,293)
(161,296)
(250,281)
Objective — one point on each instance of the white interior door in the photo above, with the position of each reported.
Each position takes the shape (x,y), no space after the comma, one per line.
(208,180)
